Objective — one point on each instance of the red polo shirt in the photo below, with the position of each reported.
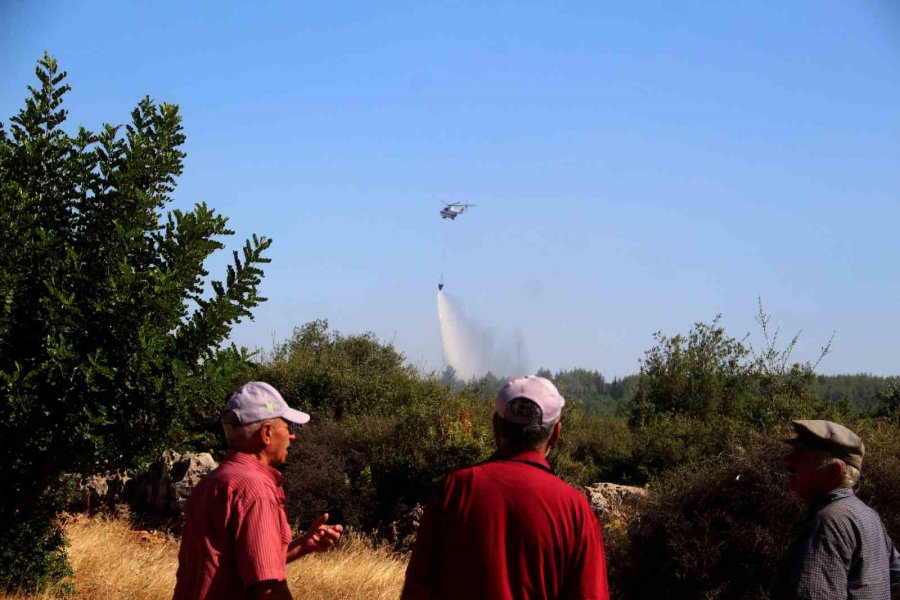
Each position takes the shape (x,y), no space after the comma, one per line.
(507,528)
(236,532)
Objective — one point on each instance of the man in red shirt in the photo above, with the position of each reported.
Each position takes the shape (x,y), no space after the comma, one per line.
(509,527)
(236,539)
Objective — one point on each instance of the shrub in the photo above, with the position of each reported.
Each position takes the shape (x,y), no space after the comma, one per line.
(407,458)
(702,393)
(879,485)
(671,440)
(324,474)
(713,530)
(594,449)
(33,551)
(704,373)
(717,528)
(370,470)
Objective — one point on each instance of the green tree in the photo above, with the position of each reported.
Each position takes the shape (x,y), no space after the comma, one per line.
(702,393)
(699,375)
(336,375)
(590,392)
(109,339)
(889,404)
(785,389)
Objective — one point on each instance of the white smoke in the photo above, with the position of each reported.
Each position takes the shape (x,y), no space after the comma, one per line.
(472,349)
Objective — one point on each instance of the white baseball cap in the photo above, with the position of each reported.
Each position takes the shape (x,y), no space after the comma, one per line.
(539,390)
(258,401)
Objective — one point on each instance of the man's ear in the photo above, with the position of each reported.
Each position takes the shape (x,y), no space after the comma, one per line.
(554,435)
(265,432)
(835,472)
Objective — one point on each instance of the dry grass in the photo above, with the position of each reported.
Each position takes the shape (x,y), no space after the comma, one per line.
(113,561)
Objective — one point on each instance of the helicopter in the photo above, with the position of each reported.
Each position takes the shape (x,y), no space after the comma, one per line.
(453,210)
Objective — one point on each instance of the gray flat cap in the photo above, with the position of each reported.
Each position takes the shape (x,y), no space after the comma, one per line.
(833,438)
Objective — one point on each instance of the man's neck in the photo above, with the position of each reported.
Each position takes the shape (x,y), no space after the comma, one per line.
(257,454)
(510,451)
(828,496)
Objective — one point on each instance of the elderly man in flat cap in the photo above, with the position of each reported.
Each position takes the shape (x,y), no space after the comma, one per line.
(842,549)
(509,528)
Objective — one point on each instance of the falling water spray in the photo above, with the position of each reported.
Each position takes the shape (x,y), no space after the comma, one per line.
(457,339)
(471,349)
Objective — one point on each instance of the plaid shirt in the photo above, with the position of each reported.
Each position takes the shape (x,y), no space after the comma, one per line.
(842,550)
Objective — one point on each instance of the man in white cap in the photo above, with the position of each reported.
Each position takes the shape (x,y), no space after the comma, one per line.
(509,527)
(236,539)
(841,549)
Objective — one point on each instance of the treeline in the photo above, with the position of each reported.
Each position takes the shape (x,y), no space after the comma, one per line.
(588,391)
(862,391)
(585,390)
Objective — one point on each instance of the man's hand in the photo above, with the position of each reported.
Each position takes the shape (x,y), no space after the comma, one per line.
(271,590)
(318,538)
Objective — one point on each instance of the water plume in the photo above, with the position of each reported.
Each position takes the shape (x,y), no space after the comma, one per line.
(473,349)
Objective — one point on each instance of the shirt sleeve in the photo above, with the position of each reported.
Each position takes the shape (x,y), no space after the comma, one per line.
(261,543)
(421,571)
(895,566)
(823,563)
(586,578)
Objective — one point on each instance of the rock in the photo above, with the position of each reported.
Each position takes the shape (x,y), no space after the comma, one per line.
(161,490)
(610,501)
(100,493)
(92,492)
(169,481)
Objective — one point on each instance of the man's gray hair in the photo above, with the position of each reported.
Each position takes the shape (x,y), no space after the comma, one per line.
(238,435)
(522,424)
(849,474)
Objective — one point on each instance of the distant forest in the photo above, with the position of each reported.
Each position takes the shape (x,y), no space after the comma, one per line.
(583,389)
(591,392)
(861,390)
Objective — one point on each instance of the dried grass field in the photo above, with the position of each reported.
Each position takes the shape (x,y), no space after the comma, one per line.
(113,561)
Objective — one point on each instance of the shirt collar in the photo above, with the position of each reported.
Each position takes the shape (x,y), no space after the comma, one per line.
(527,455)
(254,463)
(833,495)
(837,494)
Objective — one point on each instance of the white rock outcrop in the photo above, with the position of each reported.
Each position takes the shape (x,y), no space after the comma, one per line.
(610,500)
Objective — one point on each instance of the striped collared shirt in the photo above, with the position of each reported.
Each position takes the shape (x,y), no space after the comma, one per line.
(236,532)
(842,550)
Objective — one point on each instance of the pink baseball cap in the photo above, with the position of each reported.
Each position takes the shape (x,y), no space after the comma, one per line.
(258,401)
(537,389)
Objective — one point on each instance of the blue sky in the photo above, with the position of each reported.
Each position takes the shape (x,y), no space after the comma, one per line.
(636,167)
